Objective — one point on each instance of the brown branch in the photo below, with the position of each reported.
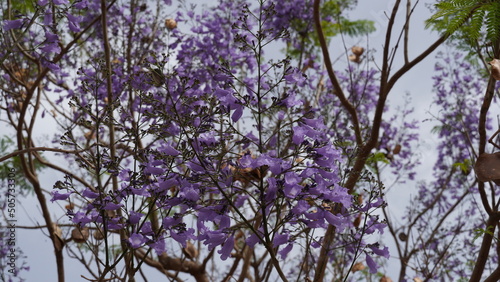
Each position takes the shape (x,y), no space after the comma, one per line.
(156,264)
(191,267)
(333,78)
(407,30)
(482,256)
(494,276)
(38,149)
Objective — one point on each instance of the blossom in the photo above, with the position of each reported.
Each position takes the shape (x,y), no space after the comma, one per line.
(136,240)
(56,196)
(280,239)
(12,24)
(74,22)
(227,247)
(81,218)
(284,251)
(371,264)
(60,2)
(381,252)
(159,246)
(135,217)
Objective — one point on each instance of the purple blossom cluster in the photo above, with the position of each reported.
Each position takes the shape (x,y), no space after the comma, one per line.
(458,100)
(190,135)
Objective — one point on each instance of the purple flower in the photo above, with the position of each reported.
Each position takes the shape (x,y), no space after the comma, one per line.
(227,248)
(60,2)
(167,184)
(87,193)
(169,150)
(159,246)
(214,239)
(135,217)
(56,196)
(183,236)
(81,218)
(280,239)
(384,252)
(296,77)
(371,264)
(237,113)
(190,194)
(170,221)
(151,170)
(112,206)
(74,22)
(300,208)
(136,240)
(147,229)
(284,251)
(14,24)
(80,4)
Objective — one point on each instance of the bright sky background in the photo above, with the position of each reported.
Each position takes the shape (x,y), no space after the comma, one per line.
(417,82)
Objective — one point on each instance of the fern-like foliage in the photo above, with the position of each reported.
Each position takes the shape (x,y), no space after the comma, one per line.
(472,20)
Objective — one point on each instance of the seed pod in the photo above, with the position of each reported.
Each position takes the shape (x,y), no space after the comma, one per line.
(170,24)
(358,51)
(98,234)
(402,236)
(358,267)
(357,221)
(495,69)
(80,235)
(487,167)
(396,149)
(354,58)
(89,135)
(385,279)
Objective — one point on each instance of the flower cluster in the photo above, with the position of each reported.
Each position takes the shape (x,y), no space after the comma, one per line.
(189,136)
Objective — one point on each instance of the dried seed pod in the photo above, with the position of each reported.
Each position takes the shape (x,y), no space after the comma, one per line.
(354,58)
(357,221)
(80,235)
(396,149)
(358,267)
(246,175)
(495,69)
(417,279)
(385,279)
(89,135)
(358,51)
(98,234)
(402,236)
(487,167)
(170,24)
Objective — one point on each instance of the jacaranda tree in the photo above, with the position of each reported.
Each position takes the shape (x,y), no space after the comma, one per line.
(221,142)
